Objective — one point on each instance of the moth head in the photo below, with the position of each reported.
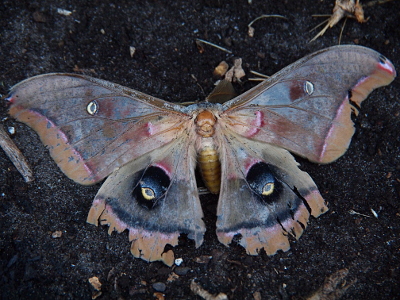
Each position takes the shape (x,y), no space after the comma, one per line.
(205,122)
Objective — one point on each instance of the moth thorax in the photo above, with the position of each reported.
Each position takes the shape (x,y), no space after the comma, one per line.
(205,122)
(210,168)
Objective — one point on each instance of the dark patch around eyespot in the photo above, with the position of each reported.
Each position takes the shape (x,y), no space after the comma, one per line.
(153,178)
(258,176)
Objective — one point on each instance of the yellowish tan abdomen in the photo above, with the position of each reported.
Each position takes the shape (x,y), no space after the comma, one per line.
(210,168)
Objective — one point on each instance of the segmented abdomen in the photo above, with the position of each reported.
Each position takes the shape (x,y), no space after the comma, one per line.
(210,168)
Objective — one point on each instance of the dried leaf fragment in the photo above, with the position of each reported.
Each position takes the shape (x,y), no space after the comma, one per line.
(56,234)
(96,285)
(64,12)
(221,69)
(132,51)
(343,8)
(159,296)
(257,296)
(172,277)
(199,291)
(203,259)
(236,72)
(334,286)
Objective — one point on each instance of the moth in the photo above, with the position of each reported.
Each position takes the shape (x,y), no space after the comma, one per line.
(150,148)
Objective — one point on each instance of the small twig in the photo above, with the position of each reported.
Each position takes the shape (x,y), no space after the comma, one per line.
(372,3)
(341,31)
(255,79)
(15,155)
(262,77)
(259,74)
(323,16)
(352,212)
(374,213)
(266,16)
(213,45)
(320,24)
(251,29)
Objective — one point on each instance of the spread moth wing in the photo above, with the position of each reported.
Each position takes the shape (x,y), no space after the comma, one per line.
(306,107)
(265,196)
(155,203)
(92,126)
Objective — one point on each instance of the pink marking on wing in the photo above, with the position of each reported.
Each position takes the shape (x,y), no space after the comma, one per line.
(250,162)
(164,167)
(316,203)
(230,234)
(98,201)
(387,66)
(116,221)
(360,82)
(146,233)
(10,99)
(255,124)
(301,209)
(85,165)
(60,133)
(150,129)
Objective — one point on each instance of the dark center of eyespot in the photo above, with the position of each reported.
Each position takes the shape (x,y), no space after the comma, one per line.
(150,188)
(262,181)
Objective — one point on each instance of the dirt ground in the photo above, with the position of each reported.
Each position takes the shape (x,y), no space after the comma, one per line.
(95,39)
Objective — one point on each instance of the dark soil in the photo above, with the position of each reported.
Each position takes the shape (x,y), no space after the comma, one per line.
(95,40)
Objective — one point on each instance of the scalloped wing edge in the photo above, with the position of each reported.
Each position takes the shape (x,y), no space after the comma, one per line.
(275,238)
(146,245)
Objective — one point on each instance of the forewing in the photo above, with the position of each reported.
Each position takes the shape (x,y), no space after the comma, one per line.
(264,196)
(306,107)
(125,201)
(92,126)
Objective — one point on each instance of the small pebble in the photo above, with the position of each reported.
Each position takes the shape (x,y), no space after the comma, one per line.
(159,286)
(181,270)
(178,261)
(56,234)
